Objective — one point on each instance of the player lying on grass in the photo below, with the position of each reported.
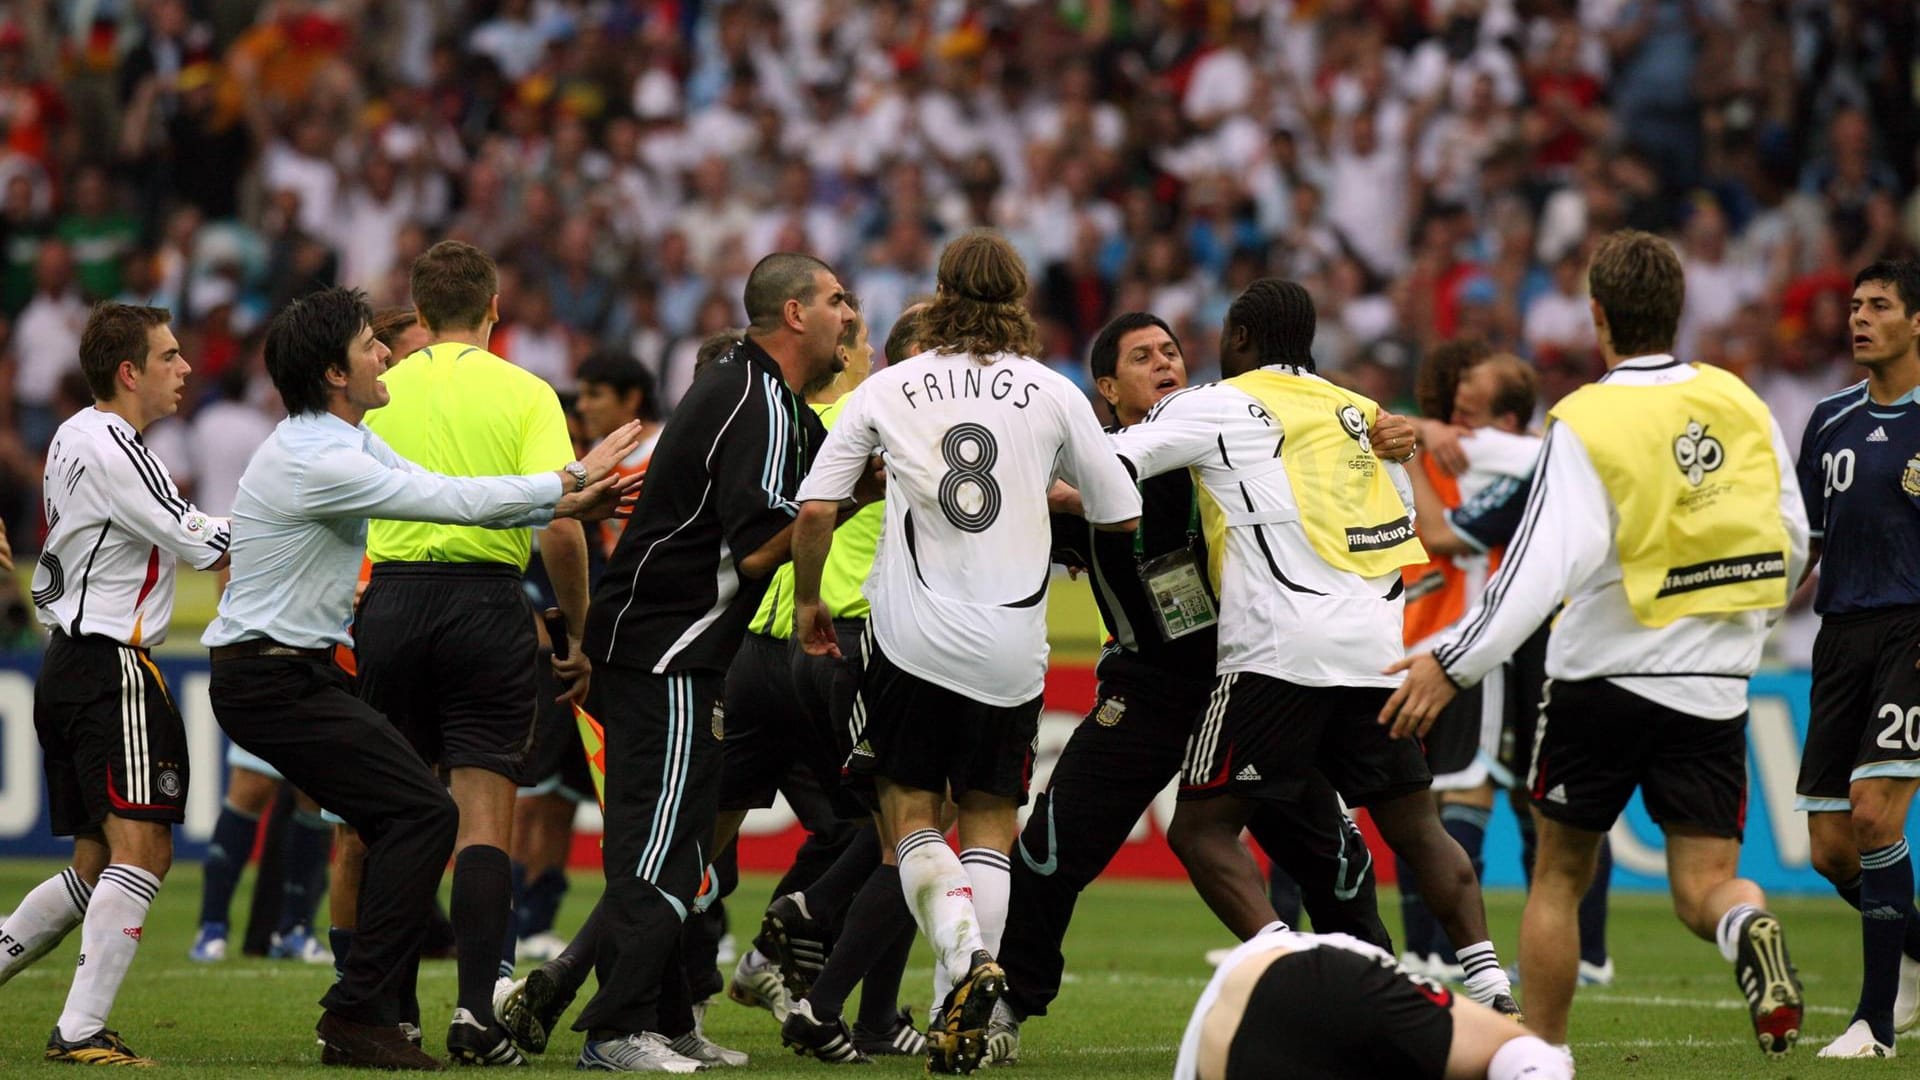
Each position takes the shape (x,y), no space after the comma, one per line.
(1324,1006)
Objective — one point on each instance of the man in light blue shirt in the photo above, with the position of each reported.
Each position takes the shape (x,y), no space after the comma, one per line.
(300,527)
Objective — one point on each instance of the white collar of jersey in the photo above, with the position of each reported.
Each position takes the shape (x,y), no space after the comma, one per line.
(1289,369)
(1651,360)
(114,419)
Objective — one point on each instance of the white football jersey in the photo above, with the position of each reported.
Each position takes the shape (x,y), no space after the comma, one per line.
(971,445)
(1284,612)
(115,525)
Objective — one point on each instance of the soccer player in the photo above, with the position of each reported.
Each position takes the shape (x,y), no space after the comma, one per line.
(443,637)
(1860,475)
(252,786)
(715,518)
(1665,514)
(1155,678)
(1492,396)
(973,434)
(864,883)
(114,746)
(1461,382)
(1313,534)
(303,505)
(1326,1006)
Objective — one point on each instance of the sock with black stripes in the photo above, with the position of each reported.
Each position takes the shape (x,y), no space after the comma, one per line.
(1486,979)
(1420,932)
(1886,910)
(1850,892)
(481,909)
(43,919)
(108,939)
(227,855)
(1468,827)
(877,915)
(308,846)
(1593,909)
(992,876)
(941,897)
(340,940)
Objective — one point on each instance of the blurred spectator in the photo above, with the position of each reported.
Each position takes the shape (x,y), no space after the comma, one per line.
(46,342)
(224,434)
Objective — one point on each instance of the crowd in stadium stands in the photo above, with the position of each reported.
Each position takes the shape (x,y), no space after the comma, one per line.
(1429,168)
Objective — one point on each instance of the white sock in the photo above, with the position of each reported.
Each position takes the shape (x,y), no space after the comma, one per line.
(108,940)
(941,897)
(42,921)
(1485,978)
(992,876)
(1723,935)
(1530,1058)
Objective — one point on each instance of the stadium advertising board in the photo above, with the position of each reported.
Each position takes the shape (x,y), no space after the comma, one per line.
(1776,852)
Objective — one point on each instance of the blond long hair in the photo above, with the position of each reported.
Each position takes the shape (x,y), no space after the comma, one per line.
(980,307)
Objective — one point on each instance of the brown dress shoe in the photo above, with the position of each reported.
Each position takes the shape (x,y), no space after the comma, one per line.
(369,1046)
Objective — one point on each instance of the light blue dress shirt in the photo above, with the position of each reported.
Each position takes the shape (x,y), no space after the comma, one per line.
(300,525)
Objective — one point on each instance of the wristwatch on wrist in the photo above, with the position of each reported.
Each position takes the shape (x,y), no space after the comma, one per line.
(579,474)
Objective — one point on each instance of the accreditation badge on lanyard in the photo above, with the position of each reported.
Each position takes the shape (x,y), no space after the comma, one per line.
(1176,590)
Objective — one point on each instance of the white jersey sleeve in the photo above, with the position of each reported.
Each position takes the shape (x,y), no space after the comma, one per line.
(143,500)
(1181,431)
(842,459)
(1088,462)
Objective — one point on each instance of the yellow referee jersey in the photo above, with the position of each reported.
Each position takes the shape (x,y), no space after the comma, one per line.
(460,410)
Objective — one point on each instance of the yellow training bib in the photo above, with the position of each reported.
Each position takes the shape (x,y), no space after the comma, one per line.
(1348,507)
(1691,470)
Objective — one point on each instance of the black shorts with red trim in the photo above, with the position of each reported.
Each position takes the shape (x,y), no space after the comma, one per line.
(1262,738)
(1597,742)
(925,736)
(111,738)
(1330,1013)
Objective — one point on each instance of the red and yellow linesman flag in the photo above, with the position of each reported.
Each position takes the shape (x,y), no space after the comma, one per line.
(594,738)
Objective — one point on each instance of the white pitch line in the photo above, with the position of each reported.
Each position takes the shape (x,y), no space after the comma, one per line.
(1660,1001)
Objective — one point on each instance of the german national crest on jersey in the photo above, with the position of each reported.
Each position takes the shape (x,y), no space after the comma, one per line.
(1910,477)
(1697,453)
(1355,423)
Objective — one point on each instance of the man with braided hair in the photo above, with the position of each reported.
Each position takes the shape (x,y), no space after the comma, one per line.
(1307,535)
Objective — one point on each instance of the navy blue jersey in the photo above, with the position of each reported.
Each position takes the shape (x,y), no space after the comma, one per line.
(1491,517)
(1859,472)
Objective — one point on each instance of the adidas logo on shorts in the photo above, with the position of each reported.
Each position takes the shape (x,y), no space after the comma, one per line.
(1558,794)
(1247,772)
(1879,435)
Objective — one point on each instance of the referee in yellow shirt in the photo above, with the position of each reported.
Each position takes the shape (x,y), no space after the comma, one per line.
(444,635)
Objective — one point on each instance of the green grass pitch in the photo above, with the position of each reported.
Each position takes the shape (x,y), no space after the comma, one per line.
(1134,969)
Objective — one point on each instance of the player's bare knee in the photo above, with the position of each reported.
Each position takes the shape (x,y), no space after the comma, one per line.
(1838,863)
(145,844)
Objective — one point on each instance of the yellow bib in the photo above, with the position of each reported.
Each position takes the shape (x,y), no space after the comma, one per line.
(1692,473)
(1348,507)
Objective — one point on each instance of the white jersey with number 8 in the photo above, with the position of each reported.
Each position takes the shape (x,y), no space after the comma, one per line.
(971,445)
